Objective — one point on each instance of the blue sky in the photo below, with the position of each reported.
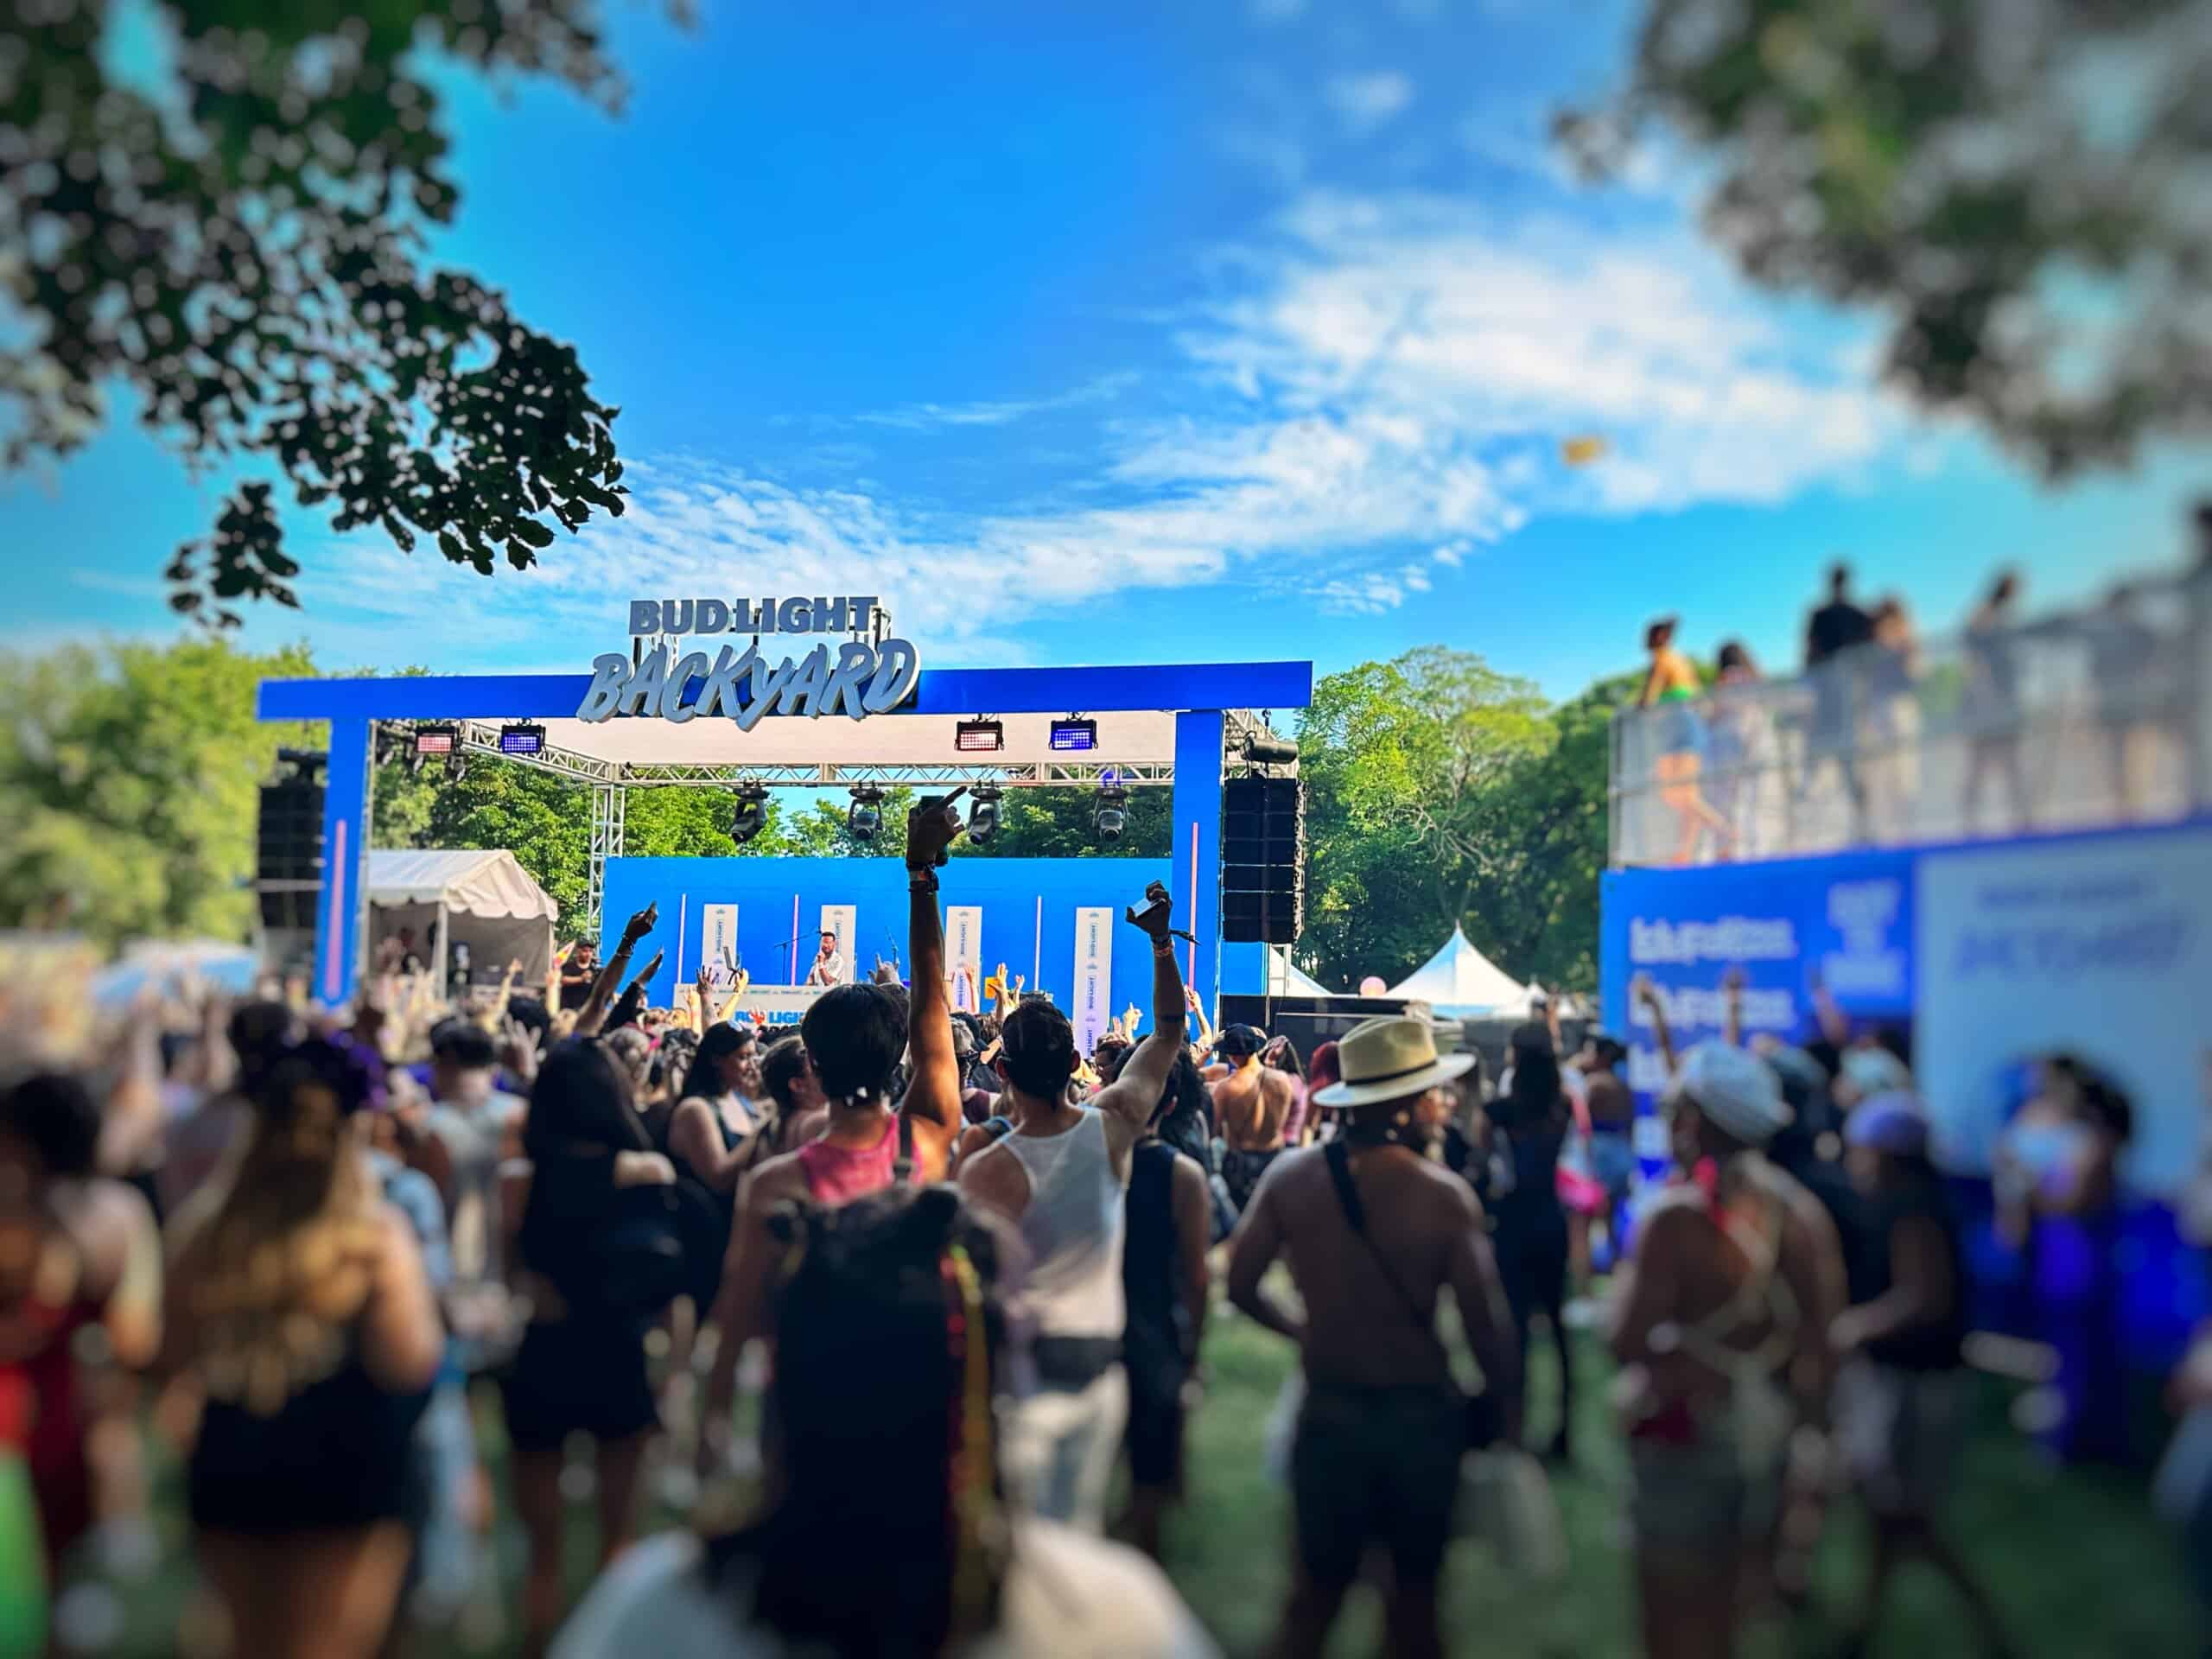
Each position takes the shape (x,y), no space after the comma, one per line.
(1141,332)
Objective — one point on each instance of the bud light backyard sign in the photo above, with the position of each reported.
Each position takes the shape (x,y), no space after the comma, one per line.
(866,676)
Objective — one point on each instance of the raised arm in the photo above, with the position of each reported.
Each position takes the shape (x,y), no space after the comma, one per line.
(1198,1011)
(632,1003)
(593,1013)
(492,1016)
(1130,1099)
(1644,992)
(933,1092)
(737,990)
(1835,1023)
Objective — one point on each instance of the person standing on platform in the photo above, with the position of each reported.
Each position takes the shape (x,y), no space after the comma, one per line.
(1063,1175)
(1989,706)
(578,973)
(1833,633)
(1672,686)
(1376,1232)
(855,1037)
(829,963)
(1252,1106)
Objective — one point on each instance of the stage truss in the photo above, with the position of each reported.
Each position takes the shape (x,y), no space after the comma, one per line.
(610,782)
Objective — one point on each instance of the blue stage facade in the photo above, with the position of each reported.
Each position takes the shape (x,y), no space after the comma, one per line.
(1990,955)
(1168,725)
(1030,910)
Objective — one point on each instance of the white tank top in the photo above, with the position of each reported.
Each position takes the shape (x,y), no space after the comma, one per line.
(1073,1227)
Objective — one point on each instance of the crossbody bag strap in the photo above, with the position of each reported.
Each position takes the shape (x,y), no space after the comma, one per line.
(902,1167)
(1338,1160)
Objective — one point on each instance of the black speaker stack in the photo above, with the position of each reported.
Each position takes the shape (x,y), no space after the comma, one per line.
(1262,861)
(288,852)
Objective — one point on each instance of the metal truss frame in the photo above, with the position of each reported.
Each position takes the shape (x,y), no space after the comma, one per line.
(609,805)
(482,737)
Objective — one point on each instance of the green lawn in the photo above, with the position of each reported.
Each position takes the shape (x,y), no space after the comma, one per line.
(2075,1560)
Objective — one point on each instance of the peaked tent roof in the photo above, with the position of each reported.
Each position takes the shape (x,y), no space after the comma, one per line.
(1460,979)
(492,884)
(1296,981)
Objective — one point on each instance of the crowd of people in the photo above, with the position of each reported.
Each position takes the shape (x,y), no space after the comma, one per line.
(968,1268)
(1745,765)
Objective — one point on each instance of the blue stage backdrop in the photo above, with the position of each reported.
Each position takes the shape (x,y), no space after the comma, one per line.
(1996,955)
(1028,905)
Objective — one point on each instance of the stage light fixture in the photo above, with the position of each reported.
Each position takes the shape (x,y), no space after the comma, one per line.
(984,820)
(979,737)
(1265,748)
(522,740)
(437,740)
(752,816)
(1112,815)
(392,744)
(1074,735)
(865,816)
(456,767)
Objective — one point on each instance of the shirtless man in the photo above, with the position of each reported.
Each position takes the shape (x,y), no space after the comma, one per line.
(1722,1329)
(1251,1104)
(853,1042)
(1375,1232)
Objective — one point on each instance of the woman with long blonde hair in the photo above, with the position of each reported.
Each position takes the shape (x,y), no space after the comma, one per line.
(297,1300)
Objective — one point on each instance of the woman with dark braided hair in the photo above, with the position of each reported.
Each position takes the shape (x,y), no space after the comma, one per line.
(886,1531)
(1165,1284)
(297,1298)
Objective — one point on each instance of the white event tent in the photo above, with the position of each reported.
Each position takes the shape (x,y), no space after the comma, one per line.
(445,896)
(1459,980)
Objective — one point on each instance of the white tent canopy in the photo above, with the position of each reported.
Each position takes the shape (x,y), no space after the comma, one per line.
(448,896)
(1286,978)
(1459,979)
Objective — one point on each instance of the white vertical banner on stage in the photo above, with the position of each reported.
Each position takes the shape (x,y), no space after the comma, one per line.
(963,955)
(843,921)
(1091,1008)
(718,942)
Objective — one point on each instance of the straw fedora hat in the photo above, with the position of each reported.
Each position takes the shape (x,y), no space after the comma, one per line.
(1389,1059)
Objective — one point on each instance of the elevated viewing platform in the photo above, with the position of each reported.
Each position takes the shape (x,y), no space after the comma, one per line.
(2091,719)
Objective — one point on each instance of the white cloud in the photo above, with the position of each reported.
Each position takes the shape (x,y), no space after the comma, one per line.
(922,418)
(1383,393)
(1365,102)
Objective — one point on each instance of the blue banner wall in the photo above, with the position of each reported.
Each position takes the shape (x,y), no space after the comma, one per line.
(1846,920)
(1028,905)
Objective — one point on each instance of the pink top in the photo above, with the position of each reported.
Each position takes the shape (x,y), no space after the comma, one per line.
(839,1174)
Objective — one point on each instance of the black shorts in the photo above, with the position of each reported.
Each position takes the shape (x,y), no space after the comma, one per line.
(1242,1171)
(1375,1467)
(1155,1434)
(583,1374)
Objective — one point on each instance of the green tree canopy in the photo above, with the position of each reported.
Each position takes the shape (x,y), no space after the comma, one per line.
(2017,189)
(232,225)
(1440,793)
(1052,821)
(128,779)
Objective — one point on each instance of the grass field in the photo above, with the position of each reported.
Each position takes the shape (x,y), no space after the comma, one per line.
(2073,1558)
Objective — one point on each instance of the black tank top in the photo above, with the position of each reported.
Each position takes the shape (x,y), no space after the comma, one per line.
(1932,1347)
(1154,1342)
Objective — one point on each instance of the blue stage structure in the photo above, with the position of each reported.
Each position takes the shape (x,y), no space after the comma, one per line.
(1989,957)
(1172,726)
(1028,915)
